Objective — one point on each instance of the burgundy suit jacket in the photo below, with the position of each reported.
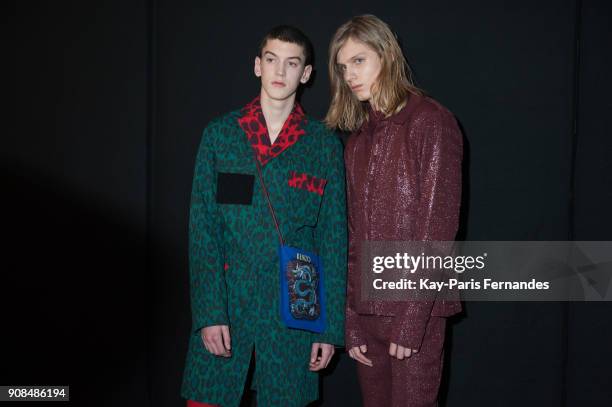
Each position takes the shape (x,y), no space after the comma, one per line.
(403,184)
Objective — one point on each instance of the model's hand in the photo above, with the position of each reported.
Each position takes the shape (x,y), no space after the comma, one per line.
(217,340)
(398,351)
(357,353)
(320,362)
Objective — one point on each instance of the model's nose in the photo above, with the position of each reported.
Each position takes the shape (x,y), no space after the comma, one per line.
(349,75)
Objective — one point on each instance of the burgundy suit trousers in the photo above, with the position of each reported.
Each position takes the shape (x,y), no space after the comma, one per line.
(391,382)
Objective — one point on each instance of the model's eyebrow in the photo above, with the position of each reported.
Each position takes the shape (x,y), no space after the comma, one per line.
(353,58)
(276,56)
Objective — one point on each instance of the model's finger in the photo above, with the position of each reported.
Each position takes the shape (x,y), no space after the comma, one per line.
(326,354)
(314,351)
(208,342)
(407,352)
(393,349)
(363,360)
(400,352)
(211,346)
(360,357)
(217,344)
(227,340)
(204,340)
(205,344)
(332,352)
(328,360)
(316,366)
(363,348)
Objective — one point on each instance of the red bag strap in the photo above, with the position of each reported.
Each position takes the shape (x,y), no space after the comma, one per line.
(265,191)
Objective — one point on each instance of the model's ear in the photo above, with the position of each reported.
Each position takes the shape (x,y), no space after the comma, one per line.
(306,74)
(257,67)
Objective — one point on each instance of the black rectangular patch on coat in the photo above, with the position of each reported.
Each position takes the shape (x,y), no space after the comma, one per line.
(235,188)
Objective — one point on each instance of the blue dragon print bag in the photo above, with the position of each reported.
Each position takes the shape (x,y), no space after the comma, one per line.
(301,286)
(302,298)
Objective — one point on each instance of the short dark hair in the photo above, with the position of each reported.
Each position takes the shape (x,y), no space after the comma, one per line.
(288,33)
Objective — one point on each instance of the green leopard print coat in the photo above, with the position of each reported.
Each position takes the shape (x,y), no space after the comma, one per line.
(234,271)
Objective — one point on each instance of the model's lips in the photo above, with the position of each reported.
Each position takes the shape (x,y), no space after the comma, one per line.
(355,88)
(279,84)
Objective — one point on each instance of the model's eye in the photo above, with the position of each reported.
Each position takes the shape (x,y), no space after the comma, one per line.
(359,60)
(293,64)
(342,68)
(269,59)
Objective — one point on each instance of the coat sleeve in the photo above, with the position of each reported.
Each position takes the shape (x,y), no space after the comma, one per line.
(331,235)
(207,279)
(353,335)
(438,209)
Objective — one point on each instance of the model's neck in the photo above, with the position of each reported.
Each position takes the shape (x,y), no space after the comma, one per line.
(275,113)
(373,105)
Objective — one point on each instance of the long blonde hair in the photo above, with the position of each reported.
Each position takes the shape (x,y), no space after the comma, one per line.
(394,82)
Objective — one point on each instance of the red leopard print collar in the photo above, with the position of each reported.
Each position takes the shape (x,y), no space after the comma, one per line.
(254,125)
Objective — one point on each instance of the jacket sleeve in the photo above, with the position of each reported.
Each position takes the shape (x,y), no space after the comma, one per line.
(438,208)
(331,235)
(207,279)
(352,333)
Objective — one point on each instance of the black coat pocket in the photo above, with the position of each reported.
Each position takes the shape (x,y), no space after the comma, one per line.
(235,188)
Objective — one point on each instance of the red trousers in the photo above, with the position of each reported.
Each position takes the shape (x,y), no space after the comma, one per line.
(191,403)
(391,382)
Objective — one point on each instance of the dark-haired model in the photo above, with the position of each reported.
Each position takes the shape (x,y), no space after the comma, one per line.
(403,164)
(233,240)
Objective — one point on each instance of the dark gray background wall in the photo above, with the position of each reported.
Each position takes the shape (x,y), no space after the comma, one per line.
(110,101)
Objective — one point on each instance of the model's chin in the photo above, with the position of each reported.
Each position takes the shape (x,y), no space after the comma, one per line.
(361,97)
(279,93)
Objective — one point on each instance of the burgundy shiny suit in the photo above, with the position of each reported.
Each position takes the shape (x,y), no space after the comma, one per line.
(403,183)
